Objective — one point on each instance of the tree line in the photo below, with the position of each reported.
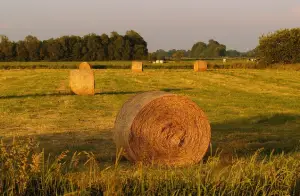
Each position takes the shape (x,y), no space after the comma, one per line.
(213,49)
(93,47)
(90,47)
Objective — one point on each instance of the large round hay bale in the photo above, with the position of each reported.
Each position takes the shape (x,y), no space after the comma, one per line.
(200,66)
(137,66)
(85,65)
(82,82)
(162,128)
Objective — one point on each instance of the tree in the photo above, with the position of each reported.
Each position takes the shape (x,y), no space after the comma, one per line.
(233,53)
(139,48)
(32,45)
(282,46)
(161,54)
(198,50)
(105,43)
(178,55)
(93,48)
(212,49)
(7,49)
(54,50)
(21,51)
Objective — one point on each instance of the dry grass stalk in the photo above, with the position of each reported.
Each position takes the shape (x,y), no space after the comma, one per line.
(85,65)
(137,66)
(200,66)
(82,82)
(162,128)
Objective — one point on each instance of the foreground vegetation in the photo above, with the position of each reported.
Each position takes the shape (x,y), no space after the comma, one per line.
(26,172)
(249,110)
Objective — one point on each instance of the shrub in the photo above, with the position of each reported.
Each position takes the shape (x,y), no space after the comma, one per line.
(283,47)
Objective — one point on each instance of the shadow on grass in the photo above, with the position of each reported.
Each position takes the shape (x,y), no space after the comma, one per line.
(136,92)
(239,138)
(275,134)
(68,93)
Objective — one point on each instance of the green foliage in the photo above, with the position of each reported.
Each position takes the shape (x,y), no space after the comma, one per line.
(90,47)
(233,53)
(283,46)
(212,49)
(165,55)
(7,49)
(178,55)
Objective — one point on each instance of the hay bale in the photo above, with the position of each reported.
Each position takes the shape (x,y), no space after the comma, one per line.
(162,128)
(200,66)
(85,65)
(82,82)
(137,66)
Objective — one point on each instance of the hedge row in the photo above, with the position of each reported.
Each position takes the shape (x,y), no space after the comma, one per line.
(210,66)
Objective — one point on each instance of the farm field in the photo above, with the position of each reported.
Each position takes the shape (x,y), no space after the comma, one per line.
(249,110)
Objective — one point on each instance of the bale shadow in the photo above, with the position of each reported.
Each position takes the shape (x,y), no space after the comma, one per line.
(69,93)
(137,92)
(57,94)
(274,134)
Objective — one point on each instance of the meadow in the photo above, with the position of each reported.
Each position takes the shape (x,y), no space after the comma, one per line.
(254,115)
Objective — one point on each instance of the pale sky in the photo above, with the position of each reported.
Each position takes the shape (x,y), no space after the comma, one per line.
(164,24)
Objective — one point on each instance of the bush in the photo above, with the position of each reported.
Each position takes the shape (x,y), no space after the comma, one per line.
(283,47)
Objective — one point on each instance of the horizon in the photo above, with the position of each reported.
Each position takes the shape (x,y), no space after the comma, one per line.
(164,25)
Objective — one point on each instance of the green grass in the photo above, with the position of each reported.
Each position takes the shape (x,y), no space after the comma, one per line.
(248,110)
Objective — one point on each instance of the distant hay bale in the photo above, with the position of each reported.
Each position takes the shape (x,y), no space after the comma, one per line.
(82,82)
(162,128)
(200,66)
(137,66)
(85,65)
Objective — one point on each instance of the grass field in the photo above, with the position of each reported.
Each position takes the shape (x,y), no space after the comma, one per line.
(248,110)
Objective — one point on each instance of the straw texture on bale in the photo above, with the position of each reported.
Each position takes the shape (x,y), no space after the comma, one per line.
(85,65)
(200,66)
(82,82)
(162,128)
(137,66)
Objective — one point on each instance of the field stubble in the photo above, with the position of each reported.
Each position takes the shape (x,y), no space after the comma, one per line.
(248,110)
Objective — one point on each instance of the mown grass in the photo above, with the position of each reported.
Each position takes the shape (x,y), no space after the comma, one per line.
(248,110)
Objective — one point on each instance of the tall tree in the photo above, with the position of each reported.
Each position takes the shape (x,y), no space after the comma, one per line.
(138,45)
(55,50)
(7,49)
(32,45)
(21,51)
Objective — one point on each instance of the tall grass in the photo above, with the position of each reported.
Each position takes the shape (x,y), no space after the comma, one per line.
(25,170)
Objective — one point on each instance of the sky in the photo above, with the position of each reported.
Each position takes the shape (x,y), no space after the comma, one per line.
(164,24)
